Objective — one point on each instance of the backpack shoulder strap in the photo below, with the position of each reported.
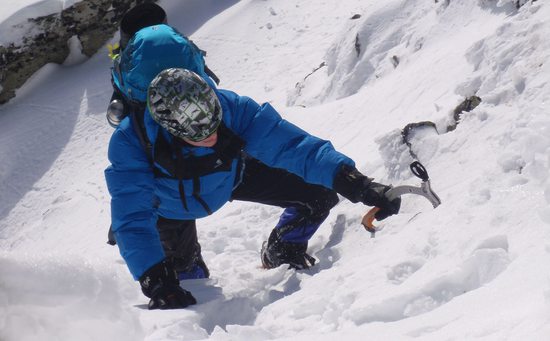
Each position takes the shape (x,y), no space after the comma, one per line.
(136,110)
(207,70)
(211,74)
(138,123)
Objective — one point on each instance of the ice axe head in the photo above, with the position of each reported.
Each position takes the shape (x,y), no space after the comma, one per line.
(424,190)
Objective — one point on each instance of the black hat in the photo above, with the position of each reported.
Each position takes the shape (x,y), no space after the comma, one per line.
(138,17)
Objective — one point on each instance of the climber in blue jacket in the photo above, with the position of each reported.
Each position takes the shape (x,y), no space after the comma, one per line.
(209,146)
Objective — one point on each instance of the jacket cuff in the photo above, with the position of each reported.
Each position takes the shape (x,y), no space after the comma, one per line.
(350,183)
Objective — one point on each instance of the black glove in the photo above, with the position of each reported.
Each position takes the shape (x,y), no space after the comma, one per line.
(160,283)
(356,187)
(374,195)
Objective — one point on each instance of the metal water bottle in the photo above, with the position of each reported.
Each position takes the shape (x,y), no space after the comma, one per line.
(115,112)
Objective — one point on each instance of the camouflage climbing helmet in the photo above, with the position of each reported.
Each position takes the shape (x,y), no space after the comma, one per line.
(183,103)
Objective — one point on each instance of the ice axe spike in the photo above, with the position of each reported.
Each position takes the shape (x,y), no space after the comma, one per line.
(424,190)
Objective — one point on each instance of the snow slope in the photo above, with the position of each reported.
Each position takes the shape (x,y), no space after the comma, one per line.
(475,268)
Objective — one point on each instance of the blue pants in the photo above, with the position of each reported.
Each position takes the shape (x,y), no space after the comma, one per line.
(306,205)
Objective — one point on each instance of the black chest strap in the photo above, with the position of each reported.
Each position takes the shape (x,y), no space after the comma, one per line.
(227,149)
(169,156)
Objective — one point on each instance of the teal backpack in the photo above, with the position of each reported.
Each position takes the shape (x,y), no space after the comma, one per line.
(151,50)
(147,46)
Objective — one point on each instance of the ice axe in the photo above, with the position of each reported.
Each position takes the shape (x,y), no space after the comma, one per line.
(424,190)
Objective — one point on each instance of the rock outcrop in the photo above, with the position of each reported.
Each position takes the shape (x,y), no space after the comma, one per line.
(94,22)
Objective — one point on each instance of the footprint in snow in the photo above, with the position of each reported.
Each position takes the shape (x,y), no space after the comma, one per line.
(400,272)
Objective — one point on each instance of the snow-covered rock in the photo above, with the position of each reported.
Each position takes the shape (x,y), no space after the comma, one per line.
(43,32)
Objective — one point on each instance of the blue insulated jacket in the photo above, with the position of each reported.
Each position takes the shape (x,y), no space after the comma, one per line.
(138,197)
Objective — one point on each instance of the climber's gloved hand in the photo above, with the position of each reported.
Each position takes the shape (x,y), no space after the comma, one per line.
(356,187)
(374,195)
(160,283)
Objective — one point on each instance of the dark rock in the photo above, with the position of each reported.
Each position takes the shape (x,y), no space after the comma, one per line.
(394,61)
(93,21)
(520,3)
(466,106)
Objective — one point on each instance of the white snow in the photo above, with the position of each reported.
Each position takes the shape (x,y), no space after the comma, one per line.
(475,268)
(20,10)
(75,52)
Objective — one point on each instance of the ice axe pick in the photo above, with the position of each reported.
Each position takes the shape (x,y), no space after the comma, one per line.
(424,190)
